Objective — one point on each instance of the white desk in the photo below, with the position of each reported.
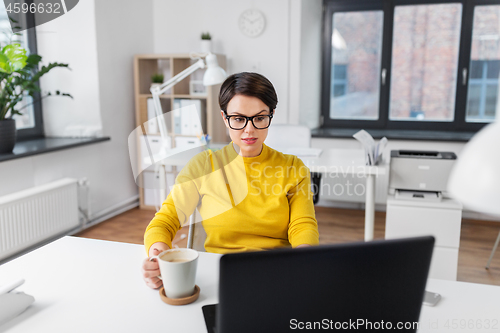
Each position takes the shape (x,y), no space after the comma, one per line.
(350,162)
(331,161)
(83,285)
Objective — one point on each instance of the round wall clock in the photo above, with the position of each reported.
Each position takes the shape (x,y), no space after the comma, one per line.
(252,22)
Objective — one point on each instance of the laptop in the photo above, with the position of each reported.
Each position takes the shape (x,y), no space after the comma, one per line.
(355,286)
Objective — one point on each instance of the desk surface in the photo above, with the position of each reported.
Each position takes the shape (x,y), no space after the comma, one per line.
(84,285)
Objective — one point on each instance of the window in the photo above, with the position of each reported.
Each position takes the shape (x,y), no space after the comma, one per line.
(356,53)
(29,125)
(482,95)
(405,64)
(424,62)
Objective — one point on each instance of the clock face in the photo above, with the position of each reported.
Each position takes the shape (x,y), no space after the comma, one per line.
(252,22)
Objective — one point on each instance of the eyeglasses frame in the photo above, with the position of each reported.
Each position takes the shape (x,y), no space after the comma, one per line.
(247,119)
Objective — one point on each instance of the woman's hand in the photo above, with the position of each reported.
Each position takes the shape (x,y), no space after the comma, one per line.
(150,269)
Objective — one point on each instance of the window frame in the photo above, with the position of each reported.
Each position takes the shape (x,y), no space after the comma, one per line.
(37,131)
(459,123)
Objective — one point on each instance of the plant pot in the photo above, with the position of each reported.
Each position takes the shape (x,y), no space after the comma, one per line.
(7,135)
(206,46)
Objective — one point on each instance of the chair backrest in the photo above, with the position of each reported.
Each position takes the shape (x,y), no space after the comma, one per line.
(288,136)
(196,233)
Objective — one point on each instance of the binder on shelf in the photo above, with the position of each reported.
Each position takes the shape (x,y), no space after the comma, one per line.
(191,117)
(177,116)
(152,123)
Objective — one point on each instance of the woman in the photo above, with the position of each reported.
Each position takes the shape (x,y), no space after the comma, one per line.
(250,196)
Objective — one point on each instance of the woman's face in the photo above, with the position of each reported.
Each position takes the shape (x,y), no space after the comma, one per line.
(249,139)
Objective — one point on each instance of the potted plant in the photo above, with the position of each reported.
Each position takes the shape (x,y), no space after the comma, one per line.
(206,42)
(156,80)
(19,74)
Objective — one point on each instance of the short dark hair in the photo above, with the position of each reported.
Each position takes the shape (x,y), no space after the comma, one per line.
(248,84)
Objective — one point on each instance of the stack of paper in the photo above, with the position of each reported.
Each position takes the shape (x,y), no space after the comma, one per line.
(373,152)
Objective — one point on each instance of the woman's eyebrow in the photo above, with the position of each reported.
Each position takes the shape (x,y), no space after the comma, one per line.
(241,114)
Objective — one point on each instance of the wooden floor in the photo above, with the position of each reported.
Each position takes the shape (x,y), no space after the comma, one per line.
(335,226)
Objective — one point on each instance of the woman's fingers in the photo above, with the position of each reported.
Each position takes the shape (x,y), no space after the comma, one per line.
(154,282)
(149,265)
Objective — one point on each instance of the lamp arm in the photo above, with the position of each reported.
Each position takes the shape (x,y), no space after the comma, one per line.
(179,77)
(157,91)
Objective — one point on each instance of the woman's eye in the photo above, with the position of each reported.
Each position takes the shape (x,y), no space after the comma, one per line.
(260,118)
(239,119)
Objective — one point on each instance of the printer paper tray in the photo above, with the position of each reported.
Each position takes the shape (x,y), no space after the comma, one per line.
(418,195)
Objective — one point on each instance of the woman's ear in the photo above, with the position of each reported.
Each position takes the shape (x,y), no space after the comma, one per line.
(224,118)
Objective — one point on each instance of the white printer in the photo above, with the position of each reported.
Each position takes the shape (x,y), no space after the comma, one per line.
(416,174)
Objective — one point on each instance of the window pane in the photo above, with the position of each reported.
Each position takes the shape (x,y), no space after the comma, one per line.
(356,58)
(476,69)
(491,101)
(424,62)
(485,51)
(27,119)
(473,100)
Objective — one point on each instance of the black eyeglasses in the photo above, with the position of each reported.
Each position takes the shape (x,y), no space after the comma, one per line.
(238,122)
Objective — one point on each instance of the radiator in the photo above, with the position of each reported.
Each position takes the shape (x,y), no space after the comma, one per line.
(36,214)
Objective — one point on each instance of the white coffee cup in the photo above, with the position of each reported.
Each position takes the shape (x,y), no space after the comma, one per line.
(178,271)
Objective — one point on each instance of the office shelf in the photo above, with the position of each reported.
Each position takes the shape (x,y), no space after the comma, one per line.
(145,65)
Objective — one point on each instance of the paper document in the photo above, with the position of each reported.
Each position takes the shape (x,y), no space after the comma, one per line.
(304,152)
(373,151)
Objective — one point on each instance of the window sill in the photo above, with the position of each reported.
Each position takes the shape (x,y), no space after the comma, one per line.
(394,134)
(47,145)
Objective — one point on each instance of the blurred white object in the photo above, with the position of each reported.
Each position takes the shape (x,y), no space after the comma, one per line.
(10,286)
(475,179)
(282,137)
(13,303)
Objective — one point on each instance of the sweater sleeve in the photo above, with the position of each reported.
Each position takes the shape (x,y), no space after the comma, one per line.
(179,205)
(303,227)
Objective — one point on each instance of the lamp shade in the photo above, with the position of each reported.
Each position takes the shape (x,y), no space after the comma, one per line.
(475,178)
(214,73)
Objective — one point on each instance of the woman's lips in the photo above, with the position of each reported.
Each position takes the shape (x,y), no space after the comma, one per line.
(249,141)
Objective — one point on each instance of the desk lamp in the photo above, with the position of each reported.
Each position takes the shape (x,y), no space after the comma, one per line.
(213,75)
(475,178)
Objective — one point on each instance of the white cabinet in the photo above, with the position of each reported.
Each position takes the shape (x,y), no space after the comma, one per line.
(409,218)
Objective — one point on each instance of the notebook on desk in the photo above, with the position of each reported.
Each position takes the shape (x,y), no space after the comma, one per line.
(324,288)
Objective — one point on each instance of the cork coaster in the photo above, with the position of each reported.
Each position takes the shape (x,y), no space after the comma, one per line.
(180,301)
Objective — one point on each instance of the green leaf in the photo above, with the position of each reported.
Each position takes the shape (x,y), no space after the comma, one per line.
(16,54)
(33,59)
(5,64)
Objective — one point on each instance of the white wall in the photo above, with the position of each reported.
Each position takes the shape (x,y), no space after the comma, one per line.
(179,24)
(98,41)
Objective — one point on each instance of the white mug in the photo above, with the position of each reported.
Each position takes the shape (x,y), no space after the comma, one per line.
(178,271)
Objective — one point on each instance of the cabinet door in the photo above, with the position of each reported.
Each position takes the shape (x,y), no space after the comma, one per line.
(443,224)
(444,264)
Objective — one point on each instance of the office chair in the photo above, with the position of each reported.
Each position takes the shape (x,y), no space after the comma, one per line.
(282,137)
(493,251)
(196,233)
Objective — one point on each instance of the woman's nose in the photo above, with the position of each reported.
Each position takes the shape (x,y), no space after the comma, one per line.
(249,127)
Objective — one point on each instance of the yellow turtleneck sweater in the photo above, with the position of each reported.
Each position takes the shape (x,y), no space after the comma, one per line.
(252,203)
